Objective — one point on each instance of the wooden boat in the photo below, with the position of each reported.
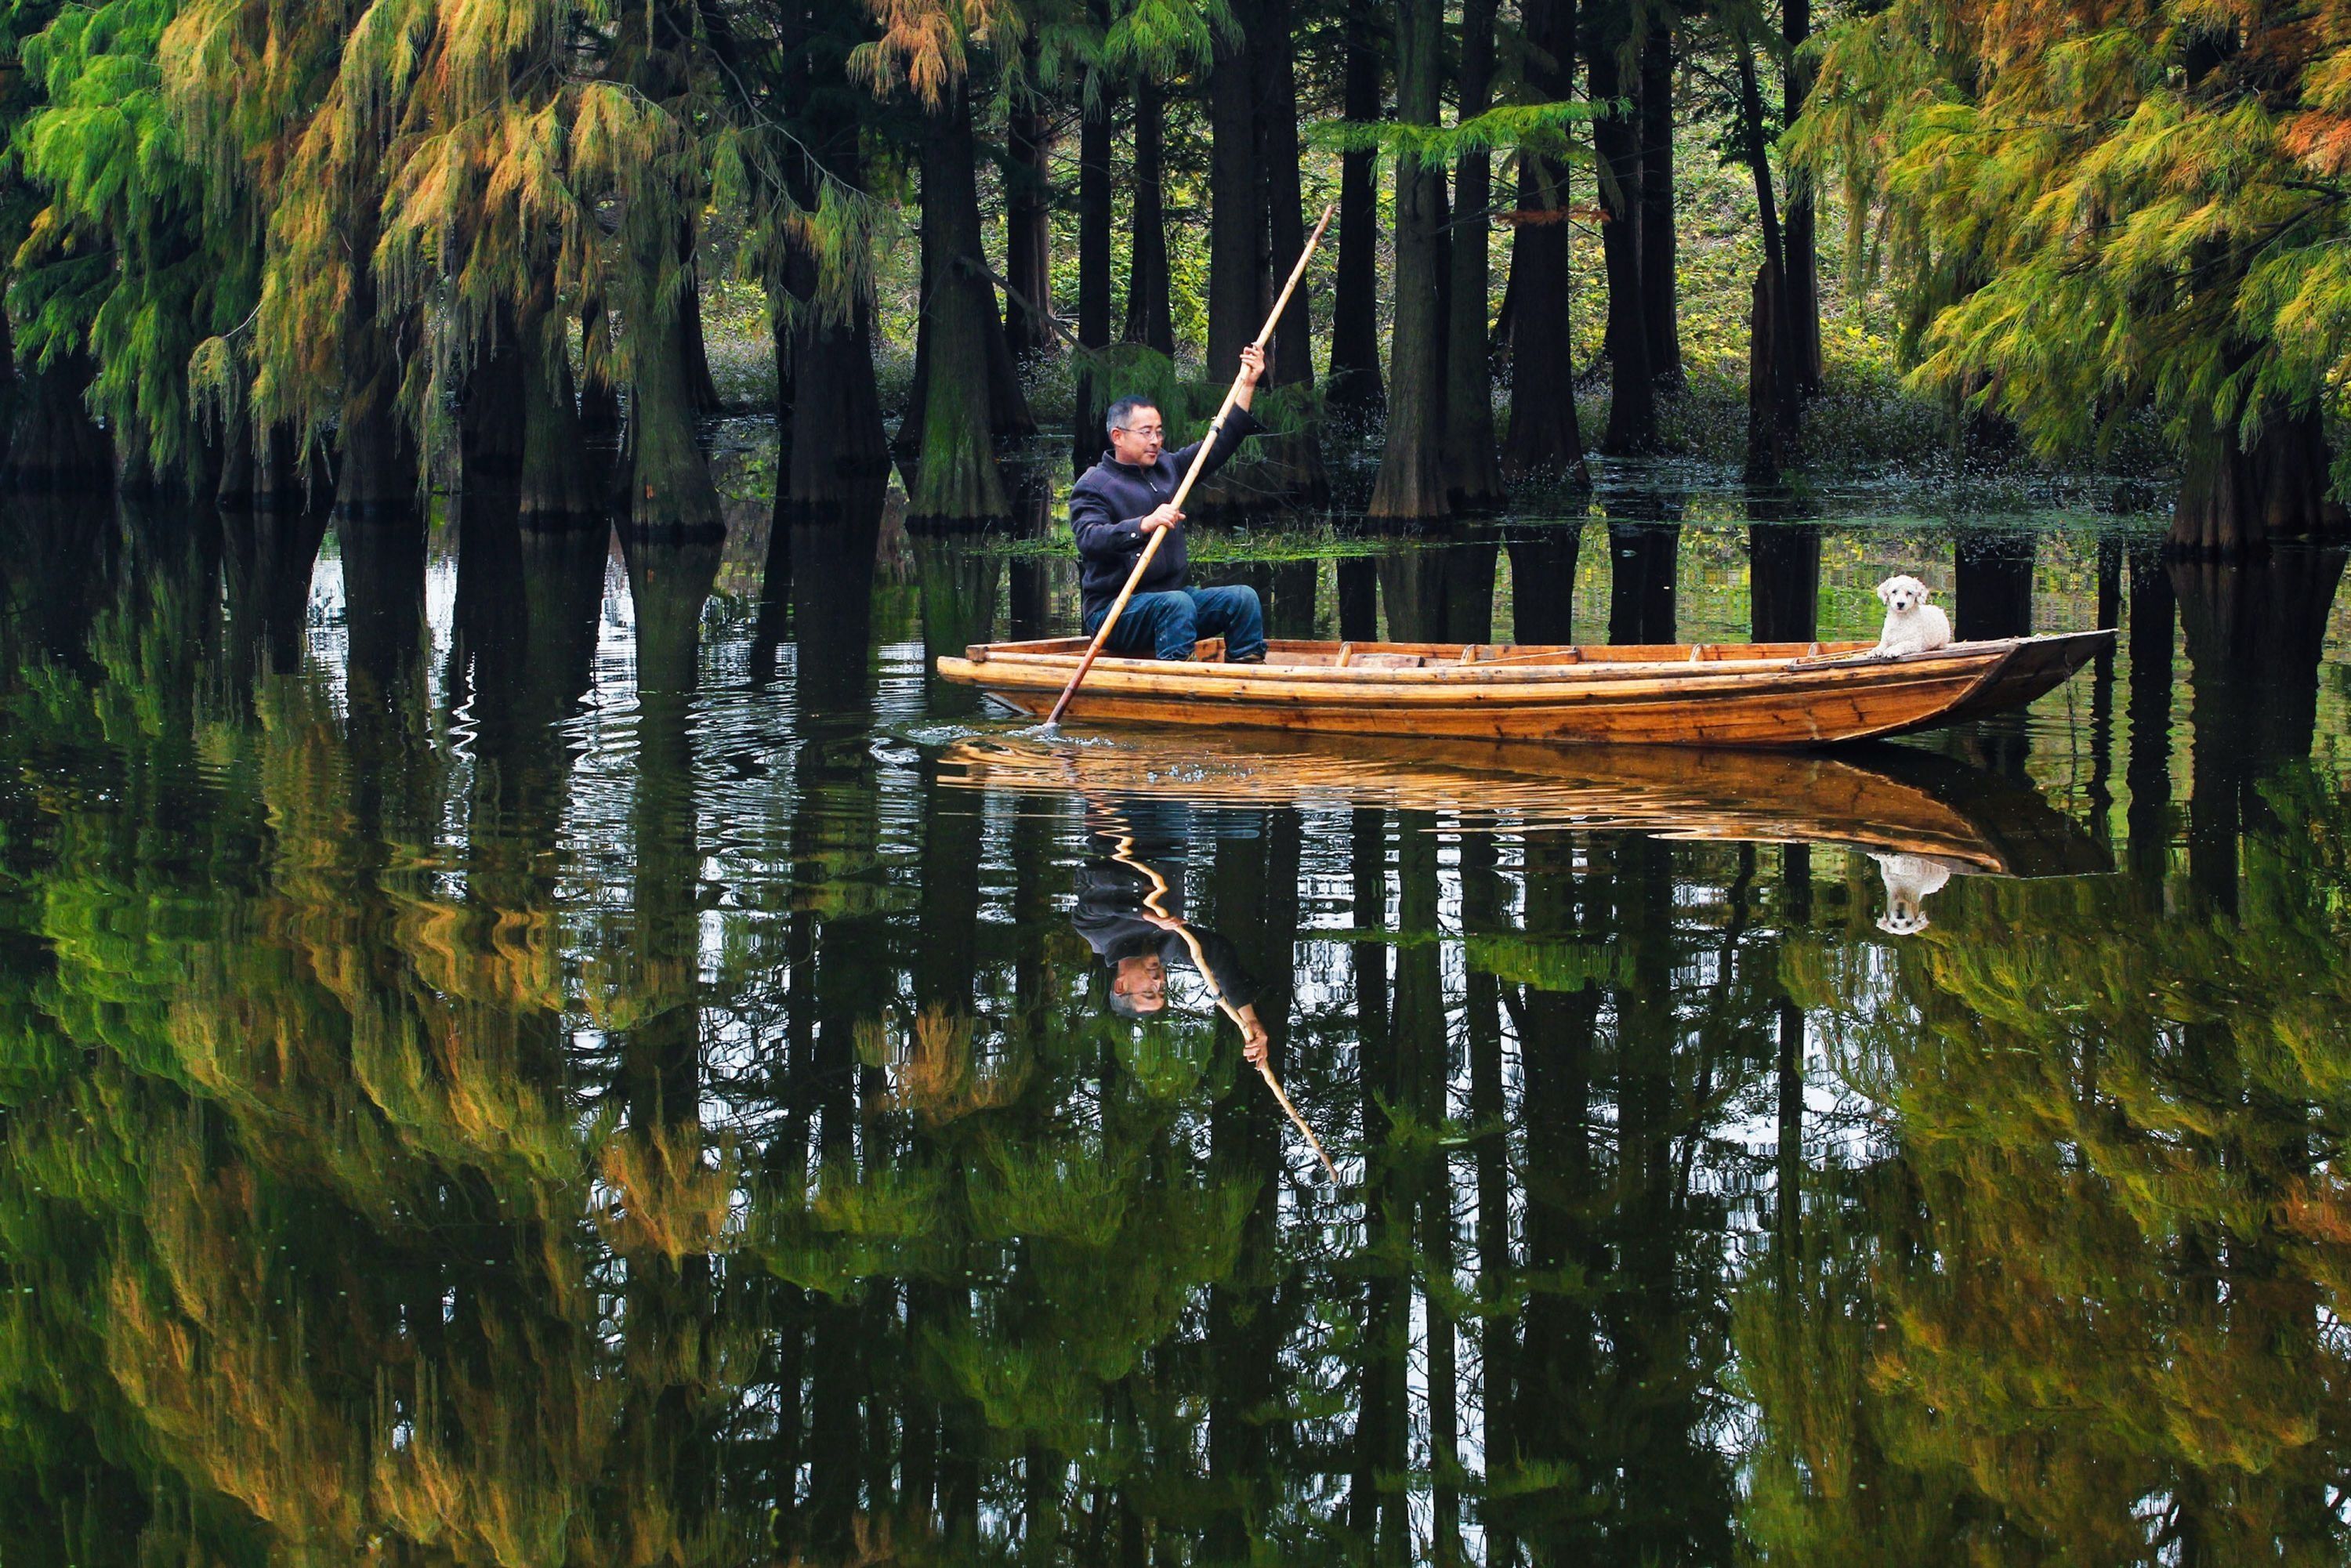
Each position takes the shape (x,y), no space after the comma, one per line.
(1718,693)
(1886,799)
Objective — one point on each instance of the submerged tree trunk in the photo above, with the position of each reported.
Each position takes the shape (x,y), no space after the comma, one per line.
(376,460)
(1411,482)
(839,448)
(1354,386)
(2236,501)
(962,399)
(1617,148)
(1659,278)
(490,417)
(1473,475)
(557,488)
(262,470)
(1150,319)
(1027,214)
(53,444)
(670,489)
(1545,437)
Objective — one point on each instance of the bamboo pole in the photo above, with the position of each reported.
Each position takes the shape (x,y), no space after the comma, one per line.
(1199,459)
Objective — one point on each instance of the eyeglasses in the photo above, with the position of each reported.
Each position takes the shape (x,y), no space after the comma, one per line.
(1146,431)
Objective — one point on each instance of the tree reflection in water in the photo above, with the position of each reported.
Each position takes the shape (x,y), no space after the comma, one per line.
(477,1092)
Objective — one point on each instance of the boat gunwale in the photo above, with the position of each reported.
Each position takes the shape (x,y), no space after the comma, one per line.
(1990,655)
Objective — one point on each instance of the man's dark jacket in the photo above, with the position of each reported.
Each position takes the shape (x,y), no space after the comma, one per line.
(1109,501)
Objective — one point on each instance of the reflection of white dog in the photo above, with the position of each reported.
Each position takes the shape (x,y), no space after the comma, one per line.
(1910,879)
(1912,625)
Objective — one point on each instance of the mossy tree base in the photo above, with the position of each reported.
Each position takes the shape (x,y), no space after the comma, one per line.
(2235,503)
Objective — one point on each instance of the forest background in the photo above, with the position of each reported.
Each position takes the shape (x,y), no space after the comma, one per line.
(271,251)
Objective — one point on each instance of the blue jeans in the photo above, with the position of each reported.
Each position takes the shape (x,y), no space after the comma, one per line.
(1169,623)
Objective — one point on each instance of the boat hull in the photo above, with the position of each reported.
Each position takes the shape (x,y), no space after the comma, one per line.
(1737,694)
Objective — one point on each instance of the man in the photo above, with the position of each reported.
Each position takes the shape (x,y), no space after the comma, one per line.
(1120,502)
(1137,944)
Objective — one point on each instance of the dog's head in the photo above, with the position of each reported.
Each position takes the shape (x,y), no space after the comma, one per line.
(1901,595)
(1909,880)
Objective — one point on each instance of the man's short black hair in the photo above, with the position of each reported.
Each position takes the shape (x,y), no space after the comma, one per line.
(1123,410)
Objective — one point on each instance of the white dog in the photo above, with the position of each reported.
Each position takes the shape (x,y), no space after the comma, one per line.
(1910,879)
(1912,625)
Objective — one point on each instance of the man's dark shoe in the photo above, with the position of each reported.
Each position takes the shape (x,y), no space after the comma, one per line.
(1251,659)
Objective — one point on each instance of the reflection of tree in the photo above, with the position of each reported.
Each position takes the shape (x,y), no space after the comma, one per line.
(2081,1305)
(232,1220)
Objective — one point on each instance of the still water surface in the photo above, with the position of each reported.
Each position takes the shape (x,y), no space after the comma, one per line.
(529,1050)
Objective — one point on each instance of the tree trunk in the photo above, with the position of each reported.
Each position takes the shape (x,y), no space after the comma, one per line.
(1027,214)
(669,490)
(1617,149)
(828,409)
(1411,482)
(1545,437)
(1290,467)
(1355,387)
(376,461)
(706,401)
(1774,403)
(557,490)
(1094,222)
(490,419)
(261,472)
(1802,258)
(1658,277)
(2235,502)
(1472,469)
(599,399)
(1150,319)
(839,447)
(959,402)
(1237,231)
(54,445)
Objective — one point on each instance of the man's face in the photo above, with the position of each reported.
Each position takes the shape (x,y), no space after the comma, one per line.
(1139,440)
(1142,982)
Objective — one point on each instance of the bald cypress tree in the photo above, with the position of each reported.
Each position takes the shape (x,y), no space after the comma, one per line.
(2092,217)
(1472,470)
(1411,479)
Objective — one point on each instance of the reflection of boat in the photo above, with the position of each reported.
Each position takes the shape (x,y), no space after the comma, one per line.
(1729,694)
(1884,799)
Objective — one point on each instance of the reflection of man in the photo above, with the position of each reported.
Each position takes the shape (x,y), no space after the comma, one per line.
(1136,943)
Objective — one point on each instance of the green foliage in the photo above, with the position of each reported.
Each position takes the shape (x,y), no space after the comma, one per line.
(2148,211)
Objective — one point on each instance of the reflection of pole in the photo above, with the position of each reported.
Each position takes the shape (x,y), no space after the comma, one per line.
(1124,852)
